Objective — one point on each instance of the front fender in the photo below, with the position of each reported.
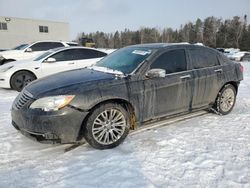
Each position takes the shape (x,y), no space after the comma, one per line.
(117,93)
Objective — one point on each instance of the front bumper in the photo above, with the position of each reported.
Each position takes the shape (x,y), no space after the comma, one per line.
(4,80)
(62,126)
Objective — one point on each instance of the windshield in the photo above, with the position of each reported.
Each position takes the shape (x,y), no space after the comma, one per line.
(125,60)
(20,47)
(45,54)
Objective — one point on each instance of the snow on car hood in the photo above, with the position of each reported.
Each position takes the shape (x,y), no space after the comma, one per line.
(106,70)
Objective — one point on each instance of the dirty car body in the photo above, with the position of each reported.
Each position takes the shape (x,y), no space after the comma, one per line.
(193,78)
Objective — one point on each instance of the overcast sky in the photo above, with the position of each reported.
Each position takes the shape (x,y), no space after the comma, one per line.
(111,15)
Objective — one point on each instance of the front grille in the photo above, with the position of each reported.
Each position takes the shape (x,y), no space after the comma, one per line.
(22,99)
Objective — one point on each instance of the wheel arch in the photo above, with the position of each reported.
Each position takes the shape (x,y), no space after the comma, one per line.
(21,71)
(216,105)
(233,83)
(126,104)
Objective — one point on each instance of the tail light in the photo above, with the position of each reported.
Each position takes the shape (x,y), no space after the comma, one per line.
(241,68)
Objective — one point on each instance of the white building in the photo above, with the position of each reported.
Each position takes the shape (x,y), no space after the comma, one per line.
(15,31)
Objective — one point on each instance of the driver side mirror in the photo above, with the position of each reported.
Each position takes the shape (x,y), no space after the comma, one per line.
(156,73)
(50,60)
(28,50)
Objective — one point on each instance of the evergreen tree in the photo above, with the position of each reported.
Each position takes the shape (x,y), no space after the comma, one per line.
(212,32)
(117,40)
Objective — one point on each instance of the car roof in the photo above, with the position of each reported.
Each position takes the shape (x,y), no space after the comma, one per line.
(65,42)
(160,45)
(74,47)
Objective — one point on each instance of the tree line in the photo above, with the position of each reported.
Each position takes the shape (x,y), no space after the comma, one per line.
(212,31)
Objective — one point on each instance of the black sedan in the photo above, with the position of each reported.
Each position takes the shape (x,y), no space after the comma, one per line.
(124,90)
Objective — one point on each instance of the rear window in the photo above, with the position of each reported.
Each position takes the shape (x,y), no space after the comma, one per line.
(203,58)
(44,46)
(88,53)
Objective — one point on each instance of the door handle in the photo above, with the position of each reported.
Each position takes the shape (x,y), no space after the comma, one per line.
(218,70)
(185,77)
(71,63)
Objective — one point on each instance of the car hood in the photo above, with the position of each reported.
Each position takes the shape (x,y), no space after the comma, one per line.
(10,53)
(19,63)
(58,82)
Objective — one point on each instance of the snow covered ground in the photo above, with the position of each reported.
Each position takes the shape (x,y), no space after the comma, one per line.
(206,151)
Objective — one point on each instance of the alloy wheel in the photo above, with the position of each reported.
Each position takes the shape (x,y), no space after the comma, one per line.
(227,100)
(109,126)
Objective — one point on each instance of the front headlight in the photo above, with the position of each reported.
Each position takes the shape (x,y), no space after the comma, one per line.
(6,68)
(53,103)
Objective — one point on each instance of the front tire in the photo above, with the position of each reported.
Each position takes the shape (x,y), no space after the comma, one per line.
(107,126)
(225,100)
(20,79)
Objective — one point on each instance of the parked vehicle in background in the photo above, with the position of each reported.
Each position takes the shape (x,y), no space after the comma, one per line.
(245,57)
(238,56)
(235,54)
(124,90)
(230,51)
(25,51)
(18,74)
(87,42)
(221,49)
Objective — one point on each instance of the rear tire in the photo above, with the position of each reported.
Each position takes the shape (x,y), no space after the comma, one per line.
(225,100)
(20,79)
(107,126)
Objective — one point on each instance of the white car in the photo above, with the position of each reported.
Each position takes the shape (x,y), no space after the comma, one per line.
(26,51)
(239,56)
(18,74)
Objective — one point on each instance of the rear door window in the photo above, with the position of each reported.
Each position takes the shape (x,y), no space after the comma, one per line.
(77,54)
(203,58)
(44,46)
(171,61)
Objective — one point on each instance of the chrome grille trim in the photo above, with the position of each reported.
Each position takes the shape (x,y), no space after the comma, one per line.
(22,99)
